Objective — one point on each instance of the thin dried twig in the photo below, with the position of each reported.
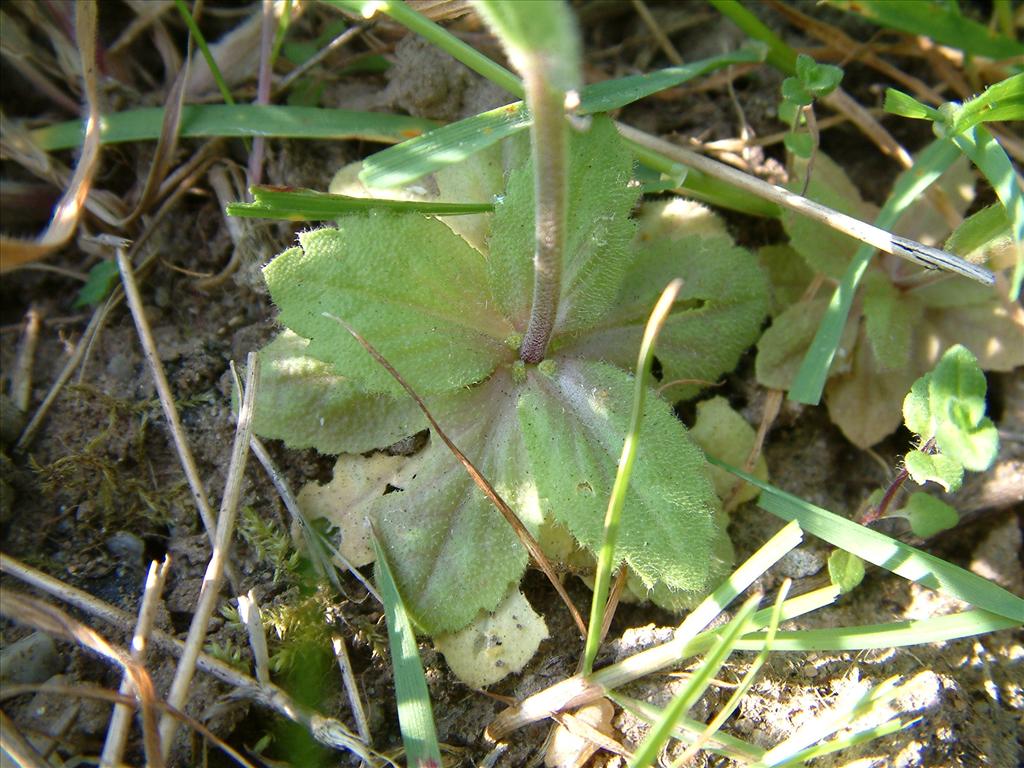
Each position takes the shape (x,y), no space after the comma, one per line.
(163,388)
(657,32)
(355,699)
(120,721)
(14,252)
(482,483)
(53,621)
(21,377)
(128,702)
(249,612)
(29,432)
(99,316)
(905,248)
(209,593)
(326,730)
(17,746)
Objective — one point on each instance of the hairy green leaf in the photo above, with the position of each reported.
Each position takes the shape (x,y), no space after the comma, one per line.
(722,432)
(598,233)
(824,248)
(716,317)
(574,419)
(941,469)
(781,348)
(409,285)
(928,515)
(890,319)
(452,553)
(308,404)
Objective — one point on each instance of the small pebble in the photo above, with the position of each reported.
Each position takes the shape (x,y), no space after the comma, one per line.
(126,547)
(800,563)
(33,659)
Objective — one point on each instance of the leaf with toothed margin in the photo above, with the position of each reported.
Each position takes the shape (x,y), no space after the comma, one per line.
(716,318)
(406,283)
(451,552)
(308,404)
(598,232)
(574,419)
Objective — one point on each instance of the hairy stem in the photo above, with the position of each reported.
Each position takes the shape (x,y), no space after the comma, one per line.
(548,135)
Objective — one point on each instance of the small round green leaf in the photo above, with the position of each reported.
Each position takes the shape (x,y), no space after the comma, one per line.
(845,570)
(928,515)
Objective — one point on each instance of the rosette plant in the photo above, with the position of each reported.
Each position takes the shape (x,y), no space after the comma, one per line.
(519,329)
(449,312)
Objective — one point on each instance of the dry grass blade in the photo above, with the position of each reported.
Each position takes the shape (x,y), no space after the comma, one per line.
(120,721)
(163,388)
(53,621)
(214,576)
(21,377)
(355,700)
(326,730)
(482,483)
(14,252)
(166,146)
(249,611)
(17,746)
(120,700)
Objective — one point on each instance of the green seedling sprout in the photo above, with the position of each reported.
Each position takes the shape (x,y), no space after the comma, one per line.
(945,409)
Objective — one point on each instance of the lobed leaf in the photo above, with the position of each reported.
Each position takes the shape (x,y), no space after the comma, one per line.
(452,553)
(845,570)
(308,404)
(890,318)
(937,467)
(573,421)
(716,317)
(598,233)
(409,285)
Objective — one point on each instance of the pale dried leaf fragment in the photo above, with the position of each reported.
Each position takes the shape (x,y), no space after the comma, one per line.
(496,643)
(345,501)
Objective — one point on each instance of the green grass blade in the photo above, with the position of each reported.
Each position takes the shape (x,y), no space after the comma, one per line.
(437,35)
(455,142)
(990,158)
(613,94)
(730,706)
(780,55)
(443,146)
(831,721)
(309,205)
(606,556)
(208,120)
(886,552)
(211,62)
(687,730)
(942,22)
(892,635)
(415,716)
(648,750)
(809,383)
(845,742)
